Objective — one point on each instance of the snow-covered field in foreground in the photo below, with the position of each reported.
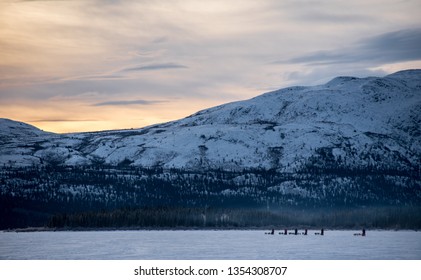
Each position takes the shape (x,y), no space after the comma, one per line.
(196,245)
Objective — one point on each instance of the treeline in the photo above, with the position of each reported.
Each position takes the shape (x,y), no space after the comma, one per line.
(29,196)
(180,217)
(95,187)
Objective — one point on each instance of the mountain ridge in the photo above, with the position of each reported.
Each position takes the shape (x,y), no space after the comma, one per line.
(273,130)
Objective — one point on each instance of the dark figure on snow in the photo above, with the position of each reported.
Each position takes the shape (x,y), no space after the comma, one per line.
(322,232)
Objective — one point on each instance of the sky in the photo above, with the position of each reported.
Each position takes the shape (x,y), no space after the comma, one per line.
(71,66)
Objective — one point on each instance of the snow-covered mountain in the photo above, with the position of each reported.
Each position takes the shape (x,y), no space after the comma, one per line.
(353,122)
(351,142)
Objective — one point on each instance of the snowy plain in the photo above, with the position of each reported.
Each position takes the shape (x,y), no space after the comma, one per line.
(209,245)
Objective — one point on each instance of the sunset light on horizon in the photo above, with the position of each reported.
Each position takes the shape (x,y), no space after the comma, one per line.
(73,66)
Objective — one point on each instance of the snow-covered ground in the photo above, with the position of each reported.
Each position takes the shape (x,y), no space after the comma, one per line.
(196,245)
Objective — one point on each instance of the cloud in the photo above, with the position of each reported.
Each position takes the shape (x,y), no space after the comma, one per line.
(153,67)
(338,18)
(323,12)
(61,120)
(403,45)
(391,47)
(85,59)
(128,102)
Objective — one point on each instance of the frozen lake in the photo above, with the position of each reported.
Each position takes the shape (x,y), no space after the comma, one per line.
(198,244)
